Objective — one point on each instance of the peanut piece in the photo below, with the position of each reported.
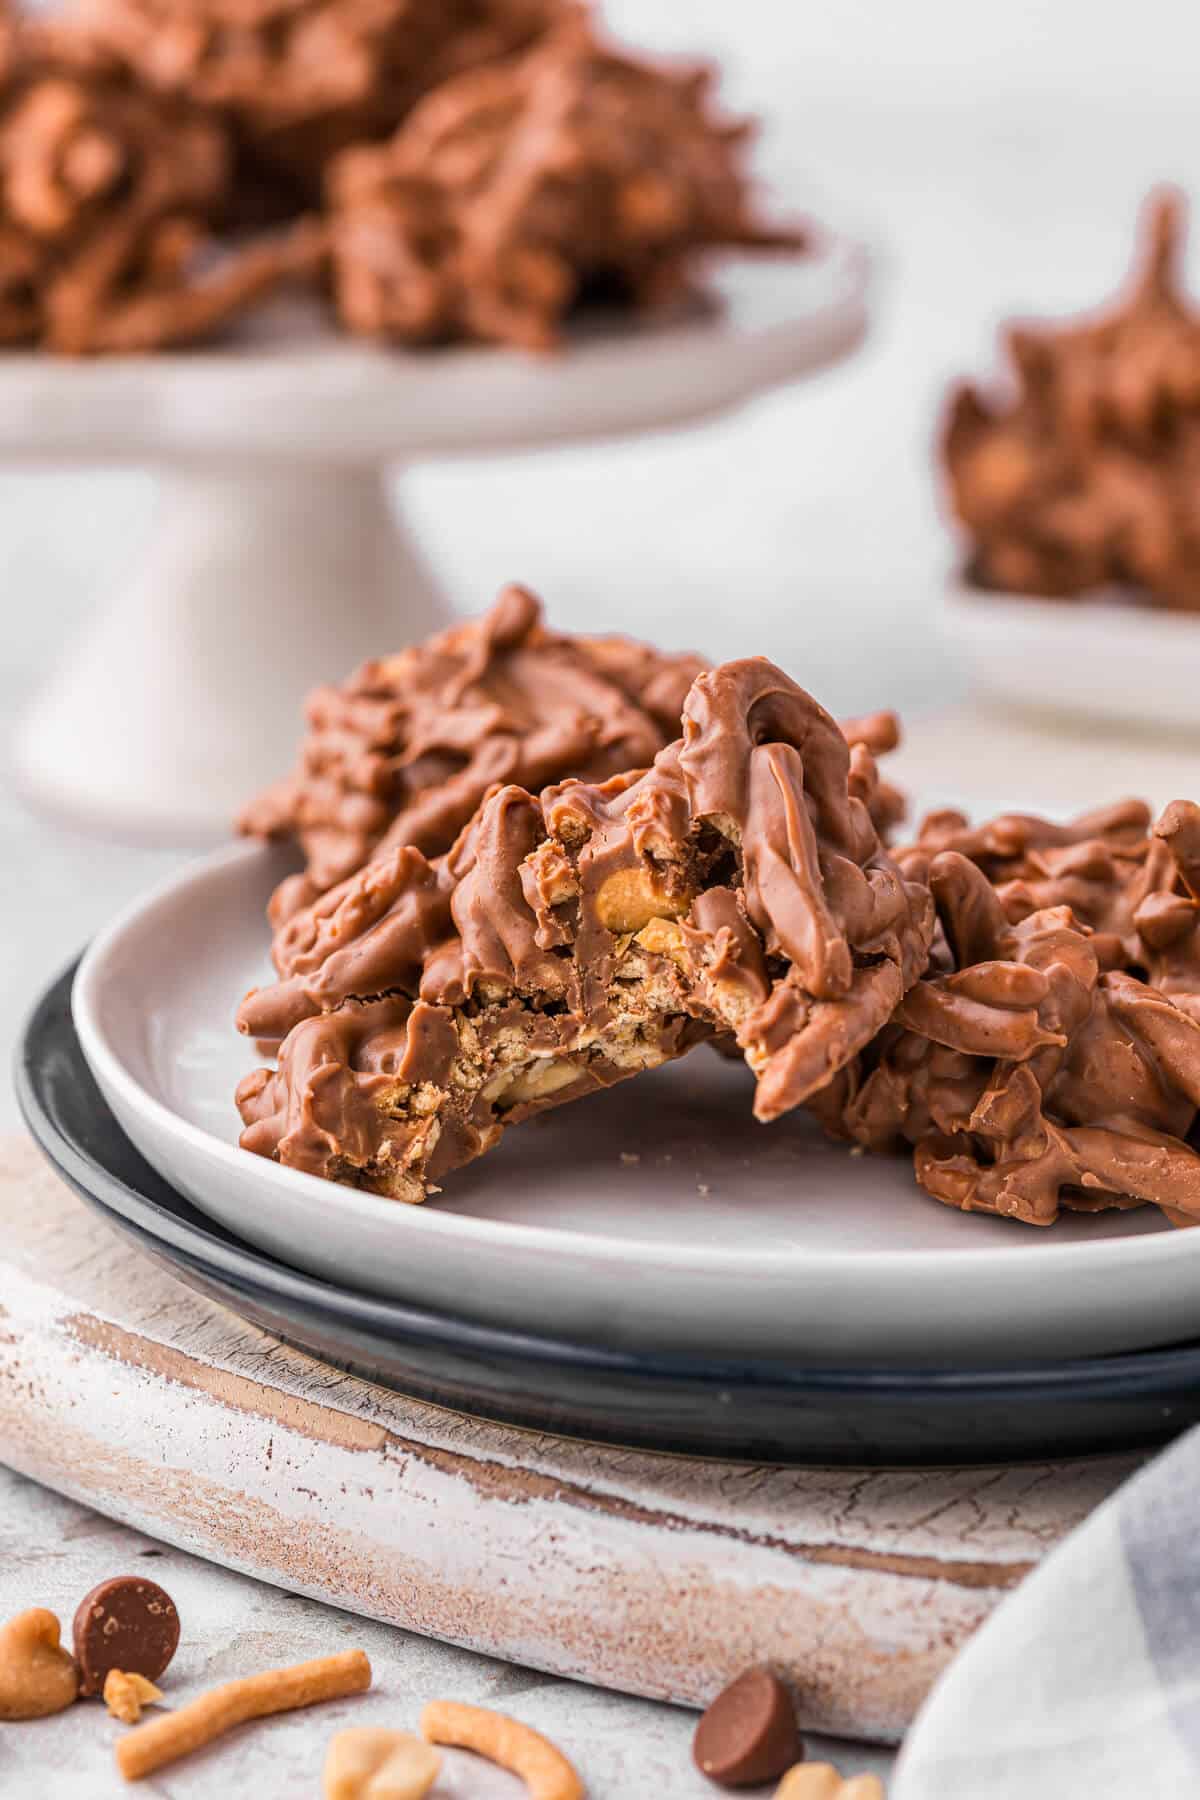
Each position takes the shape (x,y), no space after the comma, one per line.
(151,1747)
(662,937)
(631,898)
(368,1762)
(537,1081)
(37,1676)
(544,1769)
(821,1781)
(731,999)
(126,1694)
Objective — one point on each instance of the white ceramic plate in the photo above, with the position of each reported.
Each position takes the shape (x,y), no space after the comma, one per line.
(657,1214)
(1102,659)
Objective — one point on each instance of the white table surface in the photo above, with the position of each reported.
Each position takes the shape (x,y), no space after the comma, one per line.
(806,528)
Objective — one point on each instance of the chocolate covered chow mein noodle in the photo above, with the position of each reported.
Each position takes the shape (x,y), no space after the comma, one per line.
(1042,1063)
(738,887)
(404,752)
(1087,472)
(1132,887)
(107,194)
(517,190)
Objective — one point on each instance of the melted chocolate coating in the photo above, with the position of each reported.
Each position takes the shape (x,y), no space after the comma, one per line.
(737,887)
(1048,1058)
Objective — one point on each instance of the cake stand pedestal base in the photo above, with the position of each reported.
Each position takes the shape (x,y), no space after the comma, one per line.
(259,582)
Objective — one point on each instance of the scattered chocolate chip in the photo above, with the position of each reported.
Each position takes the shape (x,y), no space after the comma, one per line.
(748,1735)
(126,1623)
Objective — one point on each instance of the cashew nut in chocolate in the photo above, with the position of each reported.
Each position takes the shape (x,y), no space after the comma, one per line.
(1085,474)
(404,752)
(737,887)
(1051,1055)
(520,189)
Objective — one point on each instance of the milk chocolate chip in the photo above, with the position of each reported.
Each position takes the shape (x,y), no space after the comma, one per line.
(748,1735)
(126,1623)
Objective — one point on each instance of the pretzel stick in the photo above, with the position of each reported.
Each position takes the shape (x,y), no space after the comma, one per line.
(274,1691)
(543,1768)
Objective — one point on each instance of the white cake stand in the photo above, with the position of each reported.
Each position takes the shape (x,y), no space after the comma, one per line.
(277,560)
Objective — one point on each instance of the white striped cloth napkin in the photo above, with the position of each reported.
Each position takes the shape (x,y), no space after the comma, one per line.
(1085,1683)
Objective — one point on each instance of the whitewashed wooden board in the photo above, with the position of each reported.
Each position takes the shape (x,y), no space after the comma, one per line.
(654,1575)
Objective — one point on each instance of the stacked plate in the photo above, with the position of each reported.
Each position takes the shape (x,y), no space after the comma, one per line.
(648,1266)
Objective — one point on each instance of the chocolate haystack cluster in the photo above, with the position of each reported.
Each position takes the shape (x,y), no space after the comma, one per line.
(107,201)
(405,752)
(1050,1056)
(537,865)
(1086,474)
(522,188)
(737,889)
(448,169)
(299,80)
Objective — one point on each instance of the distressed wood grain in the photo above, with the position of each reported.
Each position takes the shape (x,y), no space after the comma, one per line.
(656,1575)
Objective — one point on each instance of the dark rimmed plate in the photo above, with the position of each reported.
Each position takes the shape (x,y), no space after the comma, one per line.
(756,1411)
